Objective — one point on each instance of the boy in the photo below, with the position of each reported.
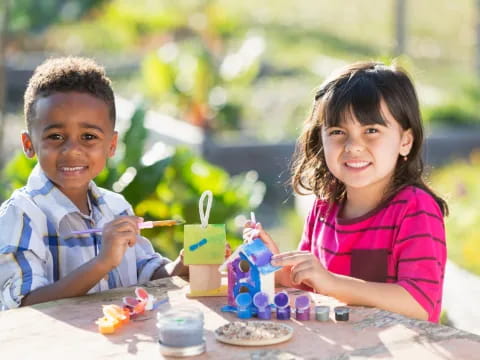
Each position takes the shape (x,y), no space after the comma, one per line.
(70,115)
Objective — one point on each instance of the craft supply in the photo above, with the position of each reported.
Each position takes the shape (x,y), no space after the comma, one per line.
(142,225)
(244,302)
(204,251)
(116,316)
(260,300)
(302,308)
(259,255)
(180,332)
(253,333)
(322,313)
(282,301)
(342,313)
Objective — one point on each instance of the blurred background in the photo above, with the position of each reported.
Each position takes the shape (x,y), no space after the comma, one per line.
(211,95)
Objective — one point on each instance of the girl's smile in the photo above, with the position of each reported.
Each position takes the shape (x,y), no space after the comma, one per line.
(364,156)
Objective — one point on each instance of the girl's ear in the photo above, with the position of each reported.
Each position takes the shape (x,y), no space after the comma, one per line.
(27,145)
(113,144)
(406,142)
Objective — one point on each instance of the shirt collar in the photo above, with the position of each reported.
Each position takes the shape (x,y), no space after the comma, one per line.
(54,202)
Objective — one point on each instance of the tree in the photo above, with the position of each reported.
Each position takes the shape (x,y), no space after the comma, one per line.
(4,17)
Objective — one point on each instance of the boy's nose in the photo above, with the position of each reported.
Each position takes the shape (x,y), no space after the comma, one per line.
(71,147)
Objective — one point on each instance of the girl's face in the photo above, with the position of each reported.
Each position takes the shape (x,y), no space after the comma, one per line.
(363,157)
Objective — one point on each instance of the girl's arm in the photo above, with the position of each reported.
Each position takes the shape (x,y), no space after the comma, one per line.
(391,297)
(304,268)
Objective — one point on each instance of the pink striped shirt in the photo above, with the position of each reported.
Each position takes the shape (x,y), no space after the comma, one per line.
(402,242)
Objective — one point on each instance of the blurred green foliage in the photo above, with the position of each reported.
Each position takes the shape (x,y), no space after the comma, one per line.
(169,188)
(458,183)
(461,110)
(34,15)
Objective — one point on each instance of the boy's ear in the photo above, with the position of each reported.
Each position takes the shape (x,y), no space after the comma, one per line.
(27,145)
(113,144)
(406,142)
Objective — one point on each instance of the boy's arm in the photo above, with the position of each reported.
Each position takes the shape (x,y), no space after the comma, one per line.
(77,283)
(117,236)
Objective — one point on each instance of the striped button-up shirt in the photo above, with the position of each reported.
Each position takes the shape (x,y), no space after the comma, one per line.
(37,246)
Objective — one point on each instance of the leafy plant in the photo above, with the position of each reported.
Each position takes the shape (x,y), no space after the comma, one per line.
(170,187)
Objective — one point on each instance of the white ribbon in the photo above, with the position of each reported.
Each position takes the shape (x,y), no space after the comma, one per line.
(205,215)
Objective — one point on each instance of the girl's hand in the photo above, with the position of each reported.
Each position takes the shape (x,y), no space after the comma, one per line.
(306,269)
(252,230)
(117,235)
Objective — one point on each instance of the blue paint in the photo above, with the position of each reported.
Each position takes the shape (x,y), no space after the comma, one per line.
(194,247)
(259,255)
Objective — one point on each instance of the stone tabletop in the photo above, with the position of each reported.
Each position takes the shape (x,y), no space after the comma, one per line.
(66,329)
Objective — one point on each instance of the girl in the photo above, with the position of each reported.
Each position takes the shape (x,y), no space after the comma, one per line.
(375,235)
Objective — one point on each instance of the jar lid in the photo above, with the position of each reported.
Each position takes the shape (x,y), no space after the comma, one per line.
(180,315)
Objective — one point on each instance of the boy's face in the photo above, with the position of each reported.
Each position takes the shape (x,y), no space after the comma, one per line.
(72,136)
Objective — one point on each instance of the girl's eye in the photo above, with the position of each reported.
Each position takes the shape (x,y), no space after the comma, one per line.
(371,131)
(335,132)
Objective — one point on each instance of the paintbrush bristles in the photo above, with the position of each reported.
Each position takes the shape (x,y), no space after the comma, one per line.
(167,222)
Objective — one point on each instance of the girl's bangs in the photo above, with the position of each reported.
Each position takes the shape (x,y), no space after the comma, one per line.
(356,99)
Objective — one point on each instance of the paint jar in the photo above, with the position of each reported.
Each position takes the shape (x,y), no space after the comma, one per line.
(244,302)
(342,313)
(260,300)
(180,332)
(302,308)
(282,303)
(322,312)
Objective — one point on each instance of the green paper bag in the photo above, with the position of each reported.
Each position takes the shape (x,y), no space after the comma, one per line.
(204,244)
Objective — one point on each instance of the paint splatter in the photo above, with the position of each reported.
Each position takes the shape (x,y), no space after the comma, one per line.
(198,244)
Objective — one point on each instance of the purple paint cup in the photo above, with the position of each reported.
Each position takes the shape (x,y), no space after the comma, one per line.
(260,300)
(302,308)
(282,301)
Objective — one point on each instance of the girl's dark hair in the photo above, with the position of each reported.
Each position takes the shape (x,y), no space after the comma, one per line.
(358,89)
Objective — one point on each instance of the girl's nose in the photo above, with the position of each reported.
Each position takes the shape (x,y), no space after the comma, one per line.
(353,144)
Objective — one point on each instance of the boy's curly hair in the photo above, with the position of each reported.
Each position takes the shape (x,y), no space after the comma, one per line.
(66,74)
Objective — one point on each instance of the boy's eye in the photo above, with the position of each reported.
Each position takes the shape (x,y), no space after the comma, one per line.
(89,136)
(371,131)
(55,137)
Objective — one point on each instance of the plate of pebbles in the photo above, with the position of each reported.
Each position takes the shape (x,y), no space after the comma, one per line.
(253,333)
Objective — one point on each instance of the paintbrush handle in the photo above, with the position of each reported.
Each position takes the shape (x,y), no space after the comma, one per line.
(142,225)
(151,224)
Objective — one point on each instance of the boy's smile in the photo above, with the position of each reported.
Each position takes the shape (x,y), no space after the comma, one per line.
(73,136)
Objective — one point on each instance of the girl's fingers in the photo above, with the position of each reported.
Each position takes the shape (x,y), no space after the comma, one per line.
(302,275)
(290,258)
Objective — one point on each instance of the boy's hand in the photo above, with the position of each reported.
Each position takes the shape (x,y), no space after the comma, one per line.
(306,269)
(177,267)
(252,230)
(116,236)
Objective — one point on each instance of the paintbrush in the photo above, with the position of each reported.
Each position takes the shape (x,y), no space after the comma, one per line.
(142,225)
